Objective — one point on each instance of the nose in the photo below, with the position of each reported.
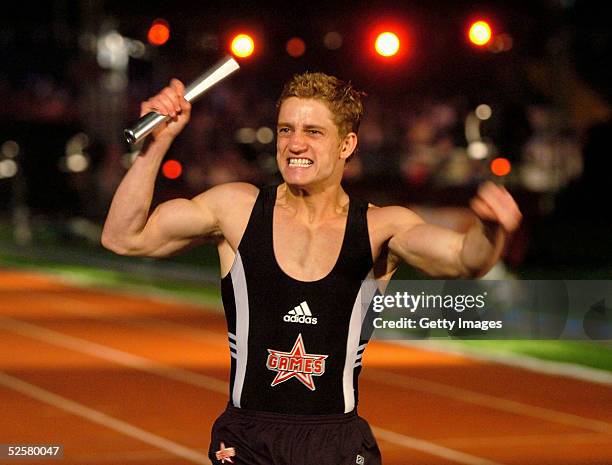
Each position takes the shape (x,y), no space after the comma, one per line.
(297,143)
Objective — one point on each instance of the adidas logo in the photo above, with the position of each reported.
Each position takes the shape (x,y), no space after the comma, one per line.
(300,314)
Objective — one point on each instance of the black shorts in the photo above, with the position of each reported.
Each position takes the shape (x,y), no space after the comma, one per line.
(247,437)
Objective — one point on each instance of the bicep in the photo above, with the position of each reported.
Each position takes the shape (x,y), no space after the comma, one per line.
(176,224)
(213,215)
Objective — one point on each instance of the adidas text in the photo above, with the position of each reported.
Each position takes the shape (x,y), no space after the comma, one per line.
(300,319)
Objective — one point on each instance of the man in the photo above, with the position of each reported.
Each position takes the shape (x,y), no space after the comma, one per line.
(293,258)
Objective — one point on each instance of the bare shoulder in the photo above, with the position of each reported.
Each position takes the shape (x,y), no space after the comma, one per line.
(228,197)
(383,224)
(230,205)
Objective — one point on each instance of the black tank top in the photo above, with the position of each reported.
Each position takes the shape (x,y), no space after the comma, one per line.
(296,346)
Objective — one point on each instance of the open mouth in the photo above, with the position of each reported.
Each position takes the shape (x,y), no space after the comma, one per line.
(300,162)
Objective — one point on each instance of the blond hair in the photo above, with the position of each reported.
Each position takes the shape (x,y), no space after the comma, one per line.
(342,99)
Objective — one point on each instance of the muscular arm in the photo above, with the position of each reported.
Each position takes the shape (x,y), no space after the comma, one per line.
(173,225)
(441,252)
(129,230)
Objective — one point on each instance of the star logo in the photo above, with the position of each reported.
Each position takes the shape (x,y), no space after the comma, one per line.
(296,364)
(225,453)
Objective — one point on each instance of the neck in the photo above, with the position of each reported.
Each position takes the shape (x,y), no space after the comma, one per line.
(314,204)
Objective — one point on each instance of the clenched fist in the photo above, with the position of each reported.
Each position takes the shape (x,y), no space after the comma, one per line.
(494,204)
(170,102)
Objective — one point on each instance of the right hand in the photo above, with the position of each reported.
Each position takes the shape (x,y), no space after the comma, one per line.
(170,102)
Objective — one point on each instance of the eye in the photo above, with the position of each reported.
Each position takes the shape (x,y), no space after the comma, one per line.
(314,131)
(282,130)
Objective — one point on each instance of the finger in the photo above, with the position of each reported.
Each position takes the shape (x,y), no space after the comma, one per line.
(504,200)
(145,107)
(501,194)
(485,186)
(507,195)
(488,189)
(482,209)
(497,197)
(174,97)
(502,204)
(178,87)
(166,105)
(506,213)
(185,106)
(151,105)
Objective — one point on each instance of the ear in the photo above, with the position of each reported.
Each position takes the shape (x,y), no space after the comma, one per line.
(348,145)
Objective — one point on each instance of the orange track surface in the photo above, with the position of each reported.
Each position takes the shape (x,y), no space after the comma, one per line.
(128,380)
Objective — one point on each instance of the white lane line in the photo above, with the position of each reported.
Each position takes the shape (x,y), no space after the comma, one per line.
(103,419)
(113,355)
(549,367)
(143,364)
(430,448)
(431,387)
(486,400)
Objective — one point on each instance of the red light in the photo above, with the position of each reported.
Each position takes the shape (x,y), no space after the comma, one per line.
(480,33)
(387,44)
(159,32)
(242,45)
(296,47)
(501,166)
(172,169)
(390,41)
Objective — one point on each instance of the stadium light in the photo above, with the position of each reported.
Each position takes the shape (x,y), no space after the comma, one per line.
(387,44)
(295,47)
(159,32)
(480,33)
(501,166)
(390,41)
(242,45)
(172,169)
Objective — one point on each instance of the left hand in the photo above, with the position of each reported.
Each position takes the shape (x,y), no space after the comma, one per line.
(494,204)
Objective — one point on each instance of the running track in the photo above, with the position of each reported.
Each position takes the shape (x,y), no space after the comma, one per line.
(119,379)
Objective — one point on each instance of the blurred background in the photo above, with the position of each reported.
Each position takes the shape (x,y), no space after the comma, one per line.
(525,103)
(458,92)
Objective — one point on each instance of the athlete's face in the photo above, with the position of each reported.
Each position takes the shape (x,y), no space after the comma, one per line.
(308,146)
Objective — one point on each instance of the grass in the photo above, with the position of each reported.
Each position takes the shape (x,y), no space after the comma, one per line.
(593,354)
(200,294)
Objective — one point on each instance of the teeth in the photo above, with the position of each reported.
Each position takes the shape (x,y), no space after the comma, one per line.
(299,162)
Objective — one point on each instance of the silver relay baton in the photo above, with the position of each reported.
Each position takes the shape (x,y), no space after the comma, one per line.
(212,76)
